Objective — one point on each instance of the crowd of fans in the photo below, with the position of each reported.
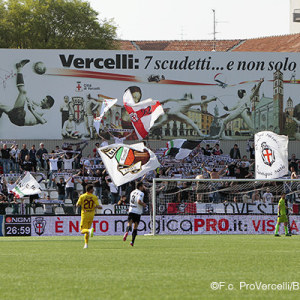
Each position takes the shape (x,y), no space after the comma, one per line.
(67,172)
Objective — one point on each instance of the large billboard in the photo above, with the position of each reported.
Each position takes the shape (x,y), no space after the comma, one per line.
(168,224)
(205,95)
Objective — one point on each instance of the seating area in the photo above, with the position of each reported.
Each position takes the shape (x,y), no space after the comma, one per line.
(67,208)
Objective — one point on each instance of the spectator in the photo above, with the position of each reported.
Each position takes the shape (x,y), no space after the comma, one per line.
(119,139)
(185,194)
(96,154)
(24,151)
(216,150)
(114,191)
(70,186)
(256,198)
(15,157)
(39,155)
(27,165)
(3,204)
(251,150)
(200,188)
(98,184)
(122,201)
(235,152)
(6,161)
(237,173)
(78,157)
(59,163)
(61,187)
(207,150)
(294,162)
(104,141)
(214,196)
(246,198)
(244,167)
(10,185)
(268,197)
(53,168)
(214,174)
(68,161)
(83,182)
(48,208)
(32,156)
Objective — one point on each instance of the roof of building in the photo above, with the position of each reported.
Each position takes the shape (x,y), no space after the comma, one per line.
(282,43)
(180,45)
(126,45)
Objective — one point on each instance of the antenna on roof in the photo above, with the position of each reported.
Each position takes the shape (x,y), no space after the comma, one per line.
(182,34)
(215,32)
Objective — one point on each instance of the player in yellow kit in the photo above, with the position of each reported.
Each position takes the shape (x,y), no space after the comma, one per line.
(282,216)
(88,203)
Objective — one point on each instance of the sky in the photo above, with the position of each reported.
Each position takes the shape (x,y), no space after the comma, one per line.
(193,19)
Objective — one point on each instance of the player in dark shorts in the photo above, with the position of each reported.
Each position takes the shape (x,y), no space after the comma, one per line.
(135,210)
(25,111)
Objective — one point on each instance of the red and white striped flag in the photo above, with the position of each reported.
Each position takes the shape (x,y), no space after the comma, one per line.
(142,114)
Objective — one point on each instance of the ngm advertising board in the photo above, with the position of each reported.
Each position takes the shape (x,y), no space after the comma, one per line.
(57,93)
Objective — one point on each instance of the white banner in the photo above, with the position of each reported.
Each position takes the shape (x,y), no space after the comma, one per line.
(125,163)
(271,155)
(106,105)
(168,224)
(237,208)
(26,186)
(224,89)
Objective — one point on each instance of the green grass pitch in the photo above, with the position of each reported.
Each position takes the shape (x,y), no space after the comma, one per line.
(160,267)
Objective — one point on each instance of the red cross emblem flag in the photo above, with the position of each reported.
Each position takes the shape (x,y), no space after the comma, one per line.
(271,155)
(142,114)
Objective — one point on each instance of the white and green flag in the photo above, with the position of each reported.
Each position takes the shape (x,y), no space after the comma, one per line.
(125,163)
(26,186)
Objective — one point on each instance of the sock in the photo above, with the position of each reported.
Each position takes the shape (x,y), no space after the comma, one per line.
(276,228)
(286,230)
(20,80)
(134,234)
(128,228)
(86,237)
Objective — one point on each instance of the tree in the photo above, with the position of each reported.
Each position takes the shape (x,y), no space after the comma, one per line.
(54,24)
(290,129)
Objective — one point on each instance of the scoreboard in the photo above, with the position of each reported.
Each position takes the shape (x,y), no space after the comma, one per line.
(15,225)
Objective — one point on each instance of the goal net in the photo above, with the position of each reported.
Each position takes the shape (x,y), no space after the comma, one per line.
(228,206)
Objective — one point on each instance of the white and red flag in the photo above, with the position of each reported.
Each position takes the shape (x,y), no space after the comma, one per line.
(271,155)
(142,114)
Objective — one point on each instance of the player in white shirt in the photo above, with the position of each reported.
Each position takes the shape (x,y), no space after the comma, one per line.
(135,210)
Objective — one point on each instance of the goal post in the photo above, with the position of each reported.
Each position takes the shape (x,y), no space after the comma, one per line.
(186,206)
